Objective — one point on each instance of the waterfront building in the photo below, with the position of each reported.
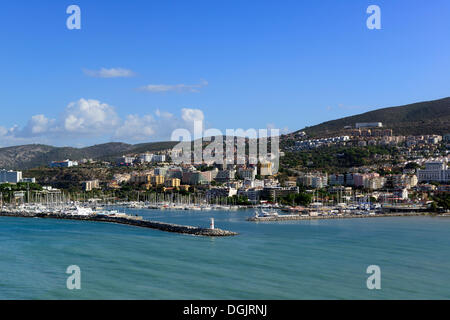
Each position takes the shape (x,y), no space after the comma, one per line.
(220,192)
(277,192)
(252,194)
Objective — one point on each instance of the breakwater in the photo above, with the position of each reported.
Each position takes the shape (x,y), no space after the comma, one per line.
(327,217)
(162,226)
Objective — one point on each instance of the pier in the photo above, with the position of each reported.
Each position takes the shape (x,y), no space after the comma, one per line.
(162,226)
(328,217)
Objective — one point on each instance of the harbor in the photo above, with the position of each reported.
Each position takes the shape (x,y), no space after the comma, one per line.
(343,211)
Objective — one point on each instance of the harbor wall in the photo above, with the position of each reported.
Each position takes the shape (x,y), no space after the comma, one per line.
(162,226)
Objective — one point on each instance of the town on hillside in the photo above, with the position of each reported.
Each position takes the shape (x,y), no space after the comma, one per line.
(361,172)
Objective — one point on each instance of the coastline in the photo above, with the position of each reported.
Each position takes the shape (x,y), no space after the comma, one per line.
(156,225)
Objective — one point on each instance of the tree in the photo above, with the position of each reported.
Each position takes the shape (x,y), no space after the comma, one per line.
(412,165)
(442,201)
(303,199)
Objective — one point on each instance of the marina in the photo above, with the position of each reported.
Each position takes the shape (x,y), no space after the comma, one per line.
(318,211)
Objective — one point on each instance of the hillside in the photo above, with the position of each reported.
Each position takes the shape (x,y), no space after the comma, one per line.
(430,117)
(32,156)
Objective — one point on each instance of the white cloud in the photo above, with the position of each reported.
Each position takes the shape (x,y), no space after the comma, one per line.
(159,88)
(137,128)
(3,131)
(163,114)
(109,73)
(15,136)
(88,119)
(90,116)
(39,124)
(157,127)
(191,115)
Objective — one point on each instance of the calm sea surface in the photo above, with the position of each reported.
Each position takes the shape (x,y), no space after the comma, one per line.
(324,259)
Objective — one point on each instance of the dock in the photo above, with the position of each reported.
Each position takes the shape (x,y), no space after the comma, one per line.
(329,217)
(162,226)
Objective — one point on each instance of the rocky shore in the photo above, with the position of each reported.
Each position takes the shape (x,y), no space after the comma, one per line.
(162,226)
(327,217)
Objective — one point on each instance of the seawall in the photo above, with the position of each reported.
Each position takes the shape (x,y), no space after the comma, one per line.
(162,226)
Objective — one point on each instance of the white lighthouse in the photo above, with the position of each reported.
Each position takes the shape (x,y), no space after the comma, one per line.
(211,225)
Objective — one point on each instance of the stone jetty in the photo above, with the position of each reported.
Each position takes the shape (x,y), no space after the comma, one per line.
(162,226)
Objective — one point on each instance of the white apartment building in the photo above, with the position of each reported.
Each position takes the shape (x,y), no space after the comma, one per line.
(10,176)
(368,125)
(146,157)
(159,158)
(434,171)
(127,160)
(316,181)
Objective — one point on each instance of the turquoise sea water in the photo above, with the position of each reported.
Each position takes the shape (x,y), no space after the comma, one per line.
(324,259)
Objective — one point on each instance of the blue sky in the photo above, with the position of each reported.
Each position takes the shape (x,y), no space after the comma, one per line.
(235,64)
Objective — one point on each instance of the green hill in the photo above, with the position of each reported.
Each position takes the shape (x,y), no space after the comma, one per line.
(32,156)
(430,117)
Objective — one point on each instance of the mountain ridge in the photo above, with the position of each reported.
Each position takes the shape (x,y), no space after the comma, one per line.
(428,117)
(36,155)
